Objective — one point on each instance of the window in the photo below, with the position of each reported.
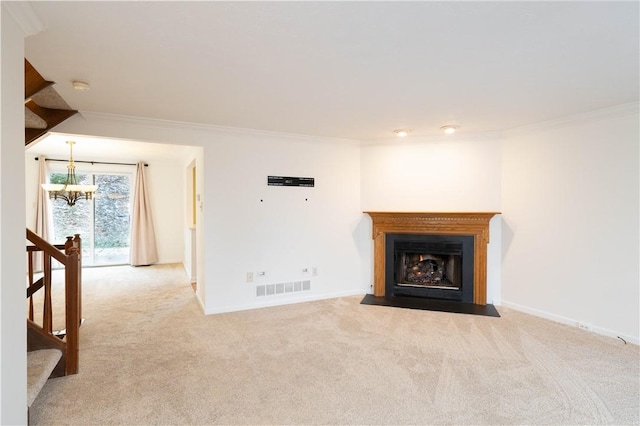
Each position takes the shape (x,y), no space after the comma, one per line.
(103,224)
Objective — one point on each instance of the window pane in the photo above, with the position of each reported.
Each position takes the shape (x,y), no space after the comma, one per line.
(103,224)
(111,228)
(68,221)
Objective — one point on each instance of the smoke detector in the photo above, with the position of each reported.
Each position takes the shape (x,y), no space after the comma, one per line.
(80,85)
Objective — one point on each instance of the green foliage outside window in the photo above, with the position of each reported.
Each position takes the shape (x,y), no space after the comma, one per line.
(112,211)
(71,220)
(111,216)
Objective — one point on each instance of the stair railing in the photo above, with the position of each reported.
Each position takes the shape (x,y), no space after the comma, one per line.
(69,255)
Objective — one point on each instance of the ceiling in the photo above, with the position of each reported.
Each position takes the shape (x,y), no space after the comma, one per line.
(355,70)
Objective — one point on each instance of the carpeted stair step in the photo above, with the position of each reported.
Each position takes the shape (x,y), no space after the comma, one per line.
(40,364)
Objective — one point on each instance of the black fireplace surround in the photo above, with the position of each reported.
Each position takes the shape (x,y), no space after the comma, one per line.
(429,266)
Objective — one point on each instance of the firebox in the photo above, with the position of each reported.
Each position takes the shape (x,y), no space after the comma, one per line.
(429,266)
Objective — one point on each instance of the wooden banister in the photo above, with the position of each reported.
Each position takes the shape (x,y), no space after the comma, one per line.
(47,248)
(47,316)
(70,256)
(33,287)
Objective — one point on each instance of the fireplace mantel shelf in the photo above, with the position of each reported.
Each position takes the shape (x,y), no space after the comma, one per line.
(475,224)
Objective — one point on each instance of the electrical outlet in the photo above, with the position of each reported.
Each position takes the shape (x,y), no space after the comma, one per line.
(249,277)
(314,271)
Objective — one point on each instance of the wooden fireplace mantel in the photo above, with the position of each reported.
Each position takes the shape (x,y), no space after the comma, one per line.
(474,224)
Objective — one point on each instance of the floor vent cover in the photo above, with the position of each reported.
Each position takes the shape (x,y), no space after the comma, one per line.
(282,288)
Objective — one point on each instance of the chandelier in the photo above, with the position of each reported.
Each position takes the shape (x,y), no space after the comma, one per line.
(70,191)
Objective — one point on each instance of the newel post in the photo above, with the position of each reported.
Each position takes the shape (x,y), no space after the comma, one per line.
(77,243)
(72,306)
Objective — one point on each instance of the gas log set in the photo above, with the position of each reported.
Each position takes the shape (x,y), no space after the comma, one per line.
(424,269)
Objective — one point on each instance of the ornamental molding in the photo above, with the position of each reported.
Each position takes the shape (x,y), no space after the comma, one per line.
(631,108)
(23,14)
(474,224)
(181,126)
(458,223)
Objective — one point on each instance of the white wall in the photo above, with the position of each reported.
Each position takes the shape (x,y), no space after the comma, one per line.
(31,186)
(437,174)
(281,230)
(165,182)
(570,221)
(13,346)
(449,173)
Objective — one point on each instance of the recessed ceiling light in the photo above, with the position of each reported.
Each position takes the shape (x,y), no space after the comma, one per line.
(449,129)
(80,85)
(402,132)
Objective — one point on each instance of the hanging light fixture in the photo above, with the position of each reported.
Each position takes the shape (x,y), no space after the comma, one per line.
(70,191)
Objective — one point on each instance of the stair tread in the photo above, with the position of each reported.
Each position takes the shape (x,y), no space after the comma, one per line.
(40,364)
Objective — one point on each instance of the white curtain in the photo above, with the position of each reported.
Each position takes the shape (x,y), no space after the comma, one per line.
(143,239)
(44,221)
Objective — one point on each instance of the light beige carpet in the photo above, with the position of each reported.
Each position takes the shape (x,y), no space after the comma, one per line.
(149,356)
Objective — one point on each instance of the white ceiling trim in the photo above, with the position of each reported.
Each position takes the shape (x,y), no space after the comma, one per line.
(440,137)
(25,17)
(181,125)
(577,119)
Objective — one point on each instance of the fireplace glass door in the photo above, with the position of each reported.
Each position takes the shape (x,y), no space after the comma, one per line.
(428,269)
(430,266)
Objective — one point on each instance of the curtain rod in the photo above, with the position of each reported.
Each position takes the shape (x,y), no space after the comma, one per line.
(91,162)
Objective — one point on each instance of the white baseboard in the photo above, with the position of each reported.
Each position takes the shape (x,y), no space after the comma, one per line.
(165,261)
(204,311)
(282,302)
(188,272)
(572,322)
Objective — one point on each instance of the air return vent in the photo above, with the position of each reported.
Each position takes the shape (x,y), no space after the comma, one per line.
(283,288)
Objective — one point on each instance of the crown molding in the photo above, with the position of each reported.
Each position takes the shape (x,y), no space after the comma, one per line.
(182,126)
(25,17)
(573,120)
(631,108)
(433,138)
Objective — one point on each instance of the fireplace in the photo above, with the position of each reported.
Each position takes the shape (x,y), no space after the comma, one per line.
(429,266)
(449,248)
